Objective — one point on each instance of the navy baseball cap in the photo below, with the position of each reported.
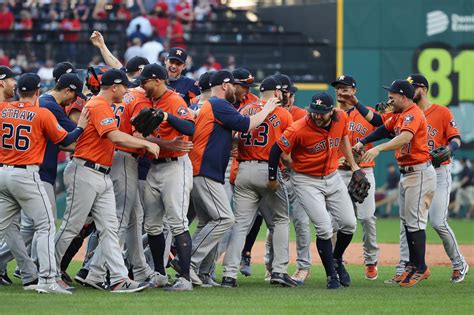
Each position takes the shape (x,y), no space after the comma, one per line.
(153,71)
(177,53)
(321,103)
(220,77)
(345,80)
(136,63)
(114,76)
(402,87)
(270,84)
(6,72)
(285,80)
(417,80)
(72,81)
(62,68)
(243,77)
(203,81)
(29,82)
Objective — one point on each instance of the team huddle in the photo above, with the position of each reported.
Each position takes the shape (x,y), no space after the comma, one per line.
(152,150)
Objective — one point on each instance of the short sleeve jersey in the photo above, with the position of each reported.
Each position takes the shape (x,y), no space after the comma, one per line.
(314,150)
(412,120)
(25,129)
(93,145)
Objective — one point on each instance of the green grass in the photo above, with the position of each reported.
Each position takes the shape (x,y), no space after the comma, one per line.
(254,296)
(388,232)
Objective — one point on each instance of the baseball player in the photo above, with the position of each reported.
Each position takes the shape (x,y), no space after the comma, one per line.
(314,143)
(26,128)
(199,100)
(359,127)
(175,64)
(418,180)
(210,157)
(89,186)
(251,188)
(169,181)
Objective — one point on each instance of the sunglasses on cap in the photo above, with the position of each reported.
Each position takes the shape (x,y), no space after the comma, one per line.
(248,80)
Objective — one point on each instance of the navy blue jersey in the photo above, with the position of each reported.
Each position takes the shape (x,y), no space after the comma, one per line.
(48,170)
(185,87)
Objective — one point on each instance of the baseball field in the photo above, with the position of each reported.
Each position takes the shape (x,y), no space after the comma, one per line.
(436,295)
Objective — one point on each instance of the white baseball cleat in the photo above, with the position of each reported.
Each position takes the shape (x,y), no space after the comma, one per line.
(53,288)
(459,275)
(157,280)
(181,284)
(128,286)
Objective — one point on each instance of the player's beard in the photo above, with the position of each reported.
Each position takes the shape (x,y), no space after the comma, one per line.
(230,96)
(321,122)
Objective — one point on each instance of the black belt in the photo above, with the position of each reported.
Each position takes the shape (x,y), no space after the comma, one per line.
(104,170)
(132,154)
(345,167)
(15,166)
(164,160)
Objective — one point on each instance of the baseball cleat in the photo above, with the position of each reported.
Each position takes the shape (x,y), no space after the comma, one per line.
(17,273)
(181,284)
(371,272)
(344,277)
(395,279)
(300,275)
(245,267)
(102,286)
(459,275)
(81,276)
(333,282)
(228,282)
(4,279)
(283,279)
(414,277)
(32,285)
(208,282)
(157,280)
(128,286)
(53,288)
(195,280)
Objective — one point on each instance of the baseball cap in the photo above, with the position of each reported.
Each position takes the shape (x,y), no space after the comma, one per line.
(62,68)
(153,71)
(345,80)
(72,81)
(203,81)
(221,76)
(243,77)
(177,53)
(285,80)
(114,76)
(29,82)
(270,84)
(417,79)
(6,72)
(321,103)
(402,87)
(136,63)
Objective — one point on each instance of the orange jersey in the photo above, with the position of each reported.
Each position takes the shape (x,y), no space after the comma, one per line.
(249,99)
(93,145)
(412,120)
(172,103)
(25,130)
(314,150)
(441,126)
(297,112)
(256,144)
(78,105)
(132,103)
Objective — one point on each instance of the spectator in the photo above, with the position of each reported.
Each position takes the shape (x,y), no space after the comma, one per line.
(161,6)
(151,50)
(204,68)
(4,59)
(202,11)
(176,33)
(138,34)
(45,72)
(160,22)
(71,26)
(231,64)
(123,13)
(390,190)
(99,12)
(96,61)
(134,50)
(6,18)
(145,27)
(26,23)
(190,69)
(184,13)
(213,62)
(465,191)
(82,10)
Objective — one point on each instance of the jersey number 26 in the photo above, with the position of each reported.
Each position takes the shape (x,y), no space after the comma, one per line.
(20,142)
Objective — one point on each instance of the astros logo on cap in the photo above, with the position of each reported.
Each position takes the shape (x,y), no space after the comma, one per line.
(179,52)
(319,102)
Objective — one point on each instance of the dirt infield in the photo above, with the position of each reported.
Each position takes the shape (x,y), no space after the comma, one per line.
(435,254)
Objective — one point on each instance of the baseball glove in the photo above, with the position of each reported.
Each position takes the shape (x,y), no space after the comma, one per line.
(358,186)
(148,120)
(440,155)
(383,107)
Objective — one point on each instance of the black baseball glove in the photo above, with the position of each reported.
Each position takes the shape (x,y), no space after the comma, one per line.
(359,186)
(440,155)
(383,107)
(148,120)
